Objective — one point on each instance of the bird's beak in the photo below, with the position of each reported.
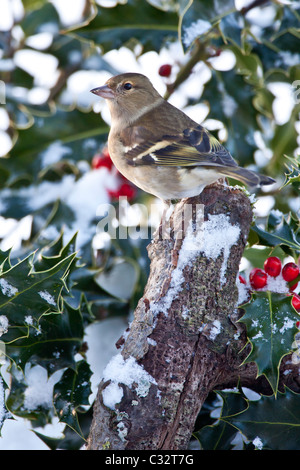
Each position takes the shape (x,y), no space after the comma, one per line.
(104,91)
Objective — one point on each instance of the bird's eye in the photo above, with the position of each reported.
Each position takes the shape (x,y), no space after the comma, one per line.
(127,86)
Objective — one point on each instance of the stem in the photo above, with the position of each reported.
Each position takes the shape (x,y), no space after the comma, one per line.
(254,4)
(198,53)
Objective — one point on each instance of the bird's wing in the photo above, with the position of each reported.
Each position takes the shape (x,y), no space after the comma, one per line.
(192,147)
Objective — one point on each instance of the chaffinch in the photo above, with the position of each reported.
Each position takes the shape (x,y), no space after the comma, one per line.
(159,148)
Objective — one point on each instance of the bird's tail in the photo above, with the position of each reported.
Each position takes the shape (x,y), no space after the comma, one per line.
(248,177)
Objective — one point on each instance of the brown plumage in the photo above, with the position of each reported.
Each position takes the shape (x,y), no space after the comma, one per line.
(159,148)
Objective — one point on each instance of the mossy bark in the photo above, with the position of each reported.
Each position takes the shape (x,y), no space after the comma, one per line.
(174,341)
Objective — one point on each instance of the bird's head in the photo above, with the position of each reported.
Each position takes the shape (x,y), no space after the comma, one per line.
(128,95)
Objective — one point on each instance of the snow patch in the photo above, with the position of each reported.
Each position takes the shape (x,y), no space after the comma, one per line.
(3,325)
(127,372)
(3,411)
(48,297)
(39,391)
(243,292)
(277,285)
(287,324)
(257,442)
(215,330)
(7,289)
(214,237)
(195,30)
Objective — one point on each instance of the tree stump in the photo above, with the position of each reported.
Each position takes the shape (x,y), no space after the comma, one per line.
(184,341)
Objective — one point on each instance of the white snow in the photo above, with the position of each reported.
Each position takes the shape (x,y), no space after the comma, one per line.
(276,284)
(44,67)
(12,231)
(3,411)
(127,372)
(219,237)
(111,395)
(213,237)
(215,329)
(243,291)
(39,391)
(288,323)
(257,442)
(3,324)
(7,289)
(54,153)
(259,335)
(83,196)
(29,320)
(48,297)
(195,30)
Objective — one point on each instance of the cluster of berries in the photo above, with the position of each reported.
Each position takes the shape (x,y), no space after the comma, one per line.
(103,160)
(290,273)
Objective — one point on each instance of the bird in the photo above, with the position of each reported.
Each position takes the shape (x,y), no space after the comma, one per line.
(159,148)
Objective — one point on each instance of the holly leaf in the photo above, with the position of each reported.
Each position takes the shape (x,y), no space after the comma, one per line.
(293,175)
(112,28)
(39,325)
(271,326)
(52,344)
(70,439)
(71,392)
(25,292)
(279,231)
(58,137)
(275,420)
(199,18)
(219,436)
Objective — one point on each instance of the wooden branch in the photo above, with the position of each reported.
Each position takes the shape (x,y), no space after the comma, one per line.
(183,341)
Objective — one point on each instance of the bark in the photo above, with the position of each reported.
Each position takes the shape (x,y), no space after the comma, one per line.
(184,334)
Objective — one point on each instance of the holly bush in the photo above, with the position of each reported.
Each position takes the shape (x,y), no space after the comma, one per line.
(59,273)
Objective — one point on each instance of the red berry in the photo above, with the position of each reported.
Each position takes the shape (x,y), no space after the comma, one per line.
(293,287)
(296,302)
(124,190)
(272,266)
(290,271)
(258,278)
(165,70)
(101,160)
(298,324)
(242,280)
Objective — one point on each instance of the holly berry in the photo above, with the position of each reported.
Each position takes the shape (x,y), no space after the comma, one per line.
(293,287)
(124,190)
(242,280)
(258,278)
(290,271)
(165,70)
(102,160)
(296,302)
(272,266)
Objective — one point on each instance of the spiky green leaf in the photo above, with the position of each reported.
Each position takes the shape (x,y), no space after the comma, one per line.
(271,327)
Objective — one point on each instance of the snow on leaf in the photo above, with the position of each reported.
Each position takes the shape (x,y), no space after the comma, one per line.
(72,390)
(271,327)
(25,292)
